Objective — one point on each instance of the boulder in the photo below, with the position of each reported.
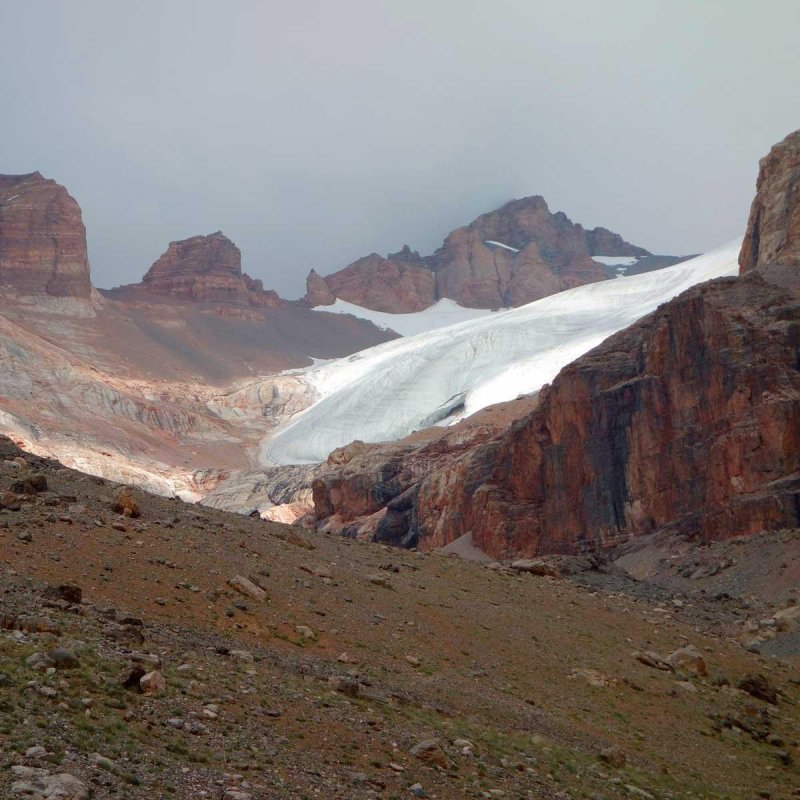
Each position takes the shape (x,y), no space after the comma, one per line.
(430,751)
(125,503)
(688,660)
(153,683)
(246,587)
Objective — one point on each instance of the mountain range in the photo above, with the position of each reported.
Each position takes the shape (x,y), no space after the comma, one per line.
(528,549)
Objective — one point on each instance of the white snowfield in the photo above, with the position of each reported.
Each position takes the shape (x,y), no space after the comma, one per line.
(440,376)
(439,315)
(616,261)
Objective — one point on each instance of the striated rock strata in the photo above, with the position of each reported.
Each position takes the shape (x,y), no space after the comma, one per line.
(206,269)
(42,239)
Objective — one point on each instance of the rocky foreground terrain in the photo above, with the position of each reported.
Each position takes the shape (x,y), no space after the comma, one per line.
(150,648)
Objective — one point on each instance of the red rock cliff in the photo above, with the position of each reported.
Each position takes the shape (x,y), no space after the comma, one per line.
(42,239)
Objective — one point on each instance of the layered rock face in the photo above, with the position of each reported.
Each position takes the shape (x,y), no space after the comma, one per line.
(207,269)
(509,257)
(773,230)
(688,421)
(42,239)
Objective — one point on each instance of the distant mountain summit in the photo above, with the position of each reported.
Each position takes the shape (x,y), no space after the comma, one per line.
(206,269)
(508,257)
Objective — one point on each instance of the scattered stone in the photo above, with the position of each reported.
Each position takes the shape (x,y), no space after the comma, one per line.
(417,790)
(593,677)
(613,756)
(10,501)
(130,635)
(380,580)
(33,484)
(654,660)
(38,661)
(305,632)
(246,587)
(242,655)
(130,676)
(63,659)
(153,683)
(125,503)
(35,752)
(347,686)
(760,687)
(430,751)
(65,591)
(688,660)
(25,536)
(37,783)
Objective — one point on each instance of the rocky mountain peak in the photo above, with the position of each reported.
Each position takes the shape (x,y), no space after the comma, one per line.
(513,255)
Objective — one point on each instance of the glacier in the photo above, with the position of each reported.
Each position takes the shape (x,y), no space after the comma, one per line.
(441,314)
(440,376)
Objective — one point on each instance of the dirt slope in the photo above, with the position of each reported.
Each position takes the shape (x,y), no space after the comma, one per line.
(354,655)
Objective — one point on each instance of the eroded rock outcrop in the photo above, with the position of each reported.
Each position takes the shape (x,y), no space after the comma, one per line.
(206,269)
(773,230)
(42,239)
(399,283)
(508,257)
(317,291)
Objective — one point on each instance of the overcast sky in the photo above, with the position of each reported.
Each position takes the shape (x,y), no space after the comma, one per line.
(316,131)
